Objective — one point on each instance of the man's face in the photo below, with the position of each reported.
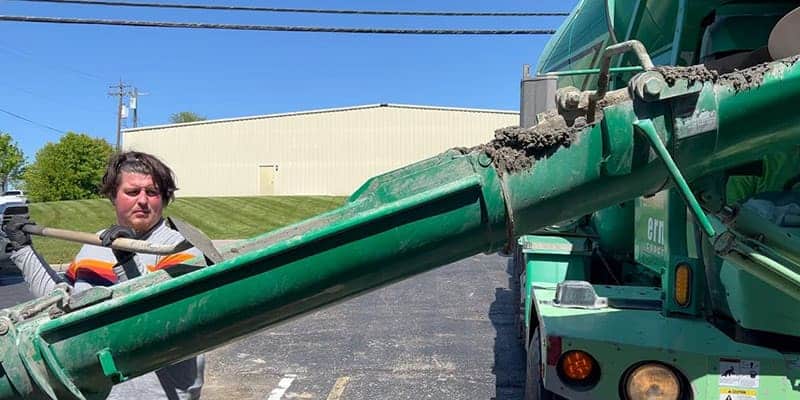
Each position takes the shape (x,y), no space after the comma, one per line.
(138,202)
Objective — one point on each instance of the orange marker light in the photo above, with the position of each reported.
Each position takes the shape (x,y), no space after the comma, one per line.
(577,365)
(683,285)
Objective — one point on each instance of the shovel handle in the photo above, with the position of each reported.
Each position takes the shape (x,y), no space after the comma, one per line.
(132,245)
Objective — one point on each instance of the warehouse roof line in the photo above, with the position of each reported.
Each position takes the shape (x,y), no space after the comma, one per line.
(319,111)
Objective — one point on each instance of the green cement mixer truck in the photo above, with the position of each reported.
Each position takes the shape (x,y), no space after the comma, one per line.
(681,293)
(654,236)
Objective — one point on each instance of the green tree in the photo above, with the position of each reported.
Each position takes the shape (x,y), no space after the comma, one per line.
(185,116)
(11,161)
(68,170)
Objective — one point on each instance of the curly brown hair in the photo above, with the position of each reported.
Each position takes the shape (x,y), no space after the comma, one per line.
(140,163)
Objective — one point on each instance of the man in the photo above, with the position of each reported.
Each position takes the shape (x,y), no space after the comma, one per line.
(139,186)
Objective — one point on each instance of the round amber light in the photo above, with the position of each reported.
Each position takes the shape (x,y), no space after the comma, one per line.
(653,381)
(577,365)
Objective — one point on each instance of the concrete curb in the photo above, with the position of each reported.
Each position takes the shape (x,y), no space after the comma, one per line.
(60,267)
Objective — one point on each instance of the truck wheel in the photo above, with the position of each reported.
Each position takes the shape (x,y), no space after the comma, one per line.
(534,388)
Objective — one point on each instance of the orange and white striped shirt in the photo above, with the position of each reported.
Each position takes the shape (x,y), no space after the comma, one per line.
(94,265)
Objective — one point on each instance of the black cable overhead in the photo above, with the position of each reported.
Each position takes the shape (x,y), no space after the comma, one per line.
(31,121)
(274,28)
(303,10)
(5,48)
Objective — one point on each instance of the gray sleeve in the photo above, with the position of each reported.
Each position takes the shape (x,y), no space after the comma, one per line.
(40,276)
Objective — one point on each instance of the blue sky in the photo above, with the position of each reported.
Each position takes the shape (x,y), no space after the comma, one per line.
(58,75)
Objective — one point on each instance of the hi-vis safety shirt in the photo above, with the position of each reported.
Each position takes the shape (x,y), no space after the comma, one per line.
(93,266)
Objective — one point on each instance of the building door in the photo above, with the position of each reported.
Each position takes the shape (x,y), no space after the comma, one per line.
(266,179)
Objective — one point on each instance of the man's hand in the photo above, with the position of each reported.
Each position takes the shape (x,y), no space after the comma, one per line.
(115,232)
(18,238)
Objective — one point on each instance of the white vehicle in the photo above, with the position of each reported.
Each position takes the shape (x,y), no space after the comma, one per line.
(10,206)
(13,194)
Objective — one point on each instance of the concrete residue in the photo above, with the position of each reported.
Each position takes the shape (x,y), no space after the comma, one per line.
(280,236)
(745,79)
(739,80)
(515,149)
(695,73)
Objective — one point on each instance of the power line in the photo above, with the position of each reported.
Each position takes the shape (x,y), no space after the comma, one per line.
(44,64)
(274,28)
(31,121)
(304,10)
(49,99)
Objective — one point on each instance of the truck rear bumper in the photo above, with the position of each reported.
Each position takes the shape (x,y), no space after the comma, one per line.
(712,364)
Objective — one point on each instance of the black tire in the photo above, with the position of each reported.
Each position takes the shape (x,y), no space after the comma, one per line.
(534,388)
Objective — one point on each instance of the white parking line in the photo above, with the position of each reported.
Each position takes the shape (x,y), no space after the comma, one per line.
(338,388)
(283,384)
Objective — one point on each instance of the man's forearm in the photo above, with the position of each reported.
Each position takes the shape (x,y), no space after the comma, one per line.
(40,276)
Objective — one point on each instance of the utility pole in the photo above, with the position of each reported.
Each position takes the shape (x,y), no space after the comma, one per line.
(133,104)
(120,93)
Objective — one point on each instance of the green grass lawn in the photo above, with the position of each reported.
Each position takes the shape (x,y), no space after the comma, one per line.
(218,217)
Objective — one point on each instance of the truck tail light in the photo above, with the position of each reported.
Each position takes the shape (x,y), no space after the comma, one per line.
(577,368)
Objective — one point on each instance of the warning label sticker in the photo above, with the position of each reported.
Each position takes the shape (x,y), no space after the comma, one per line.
(739,373)
(737,394)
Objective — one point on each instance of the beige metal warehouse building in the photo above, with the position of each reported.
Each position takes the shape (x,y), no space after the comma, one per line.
(319,152)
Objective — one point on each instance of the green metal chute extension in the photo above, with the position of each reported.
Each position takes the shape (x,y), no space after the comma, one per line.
(397,225)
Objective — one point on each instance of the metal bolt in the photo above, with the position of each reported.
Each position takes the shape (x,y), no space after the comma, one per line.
(724,243)
(573,100)
(568,98)
(484,160)
(648,85)
(653,86)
